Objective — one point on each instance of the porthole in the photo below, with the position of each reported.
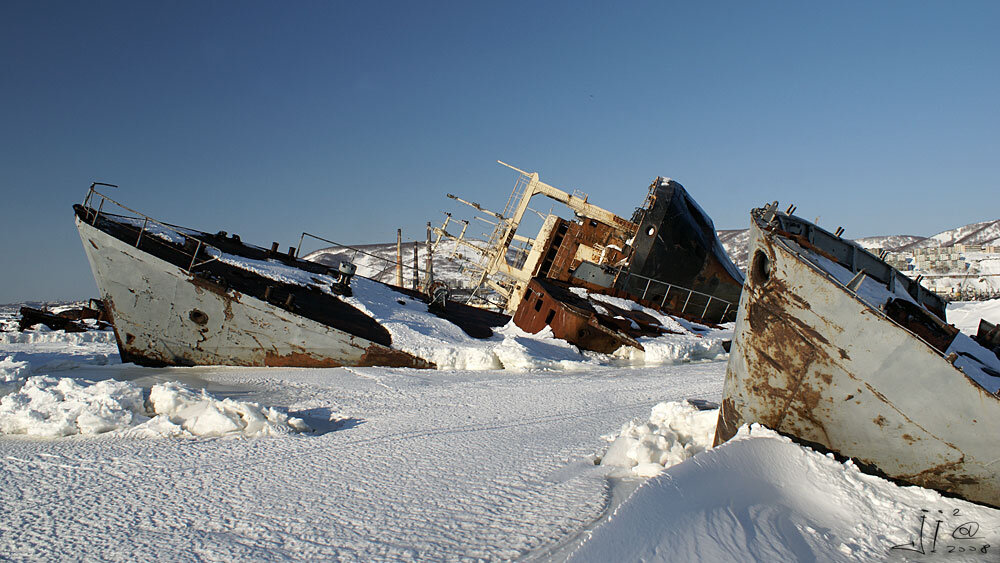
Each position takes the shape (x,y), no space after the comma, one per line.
(760,269)
(650,231)
(198,317)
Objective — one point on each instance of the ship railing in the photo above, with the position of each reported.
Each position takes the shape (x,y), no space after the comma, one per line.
(93,214)
(653,287)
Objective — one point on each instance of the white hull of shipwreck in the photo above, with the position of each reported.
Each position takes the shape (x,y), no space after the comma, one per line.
(813,361)
(163,315)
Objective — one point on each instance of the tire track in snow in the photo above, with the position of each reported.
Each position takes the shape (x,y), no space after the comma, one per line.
(282,534)
(197,470)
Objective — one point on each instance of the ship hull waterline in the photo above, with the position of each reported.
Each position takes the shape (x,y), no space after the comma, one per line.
(813,361)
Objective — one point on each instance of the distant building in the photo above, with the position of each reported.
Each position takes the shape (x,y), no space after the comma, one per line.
(954,272)
(902,261)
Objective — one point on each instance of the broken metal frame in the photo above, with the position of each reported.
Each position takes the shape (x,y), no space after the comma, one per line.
(494,255)
(514,277)
(391,263)
(199,244)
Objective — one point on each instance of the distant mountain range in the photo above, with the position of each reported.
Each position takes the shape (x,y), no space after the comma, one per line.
(735,242)
(986,233)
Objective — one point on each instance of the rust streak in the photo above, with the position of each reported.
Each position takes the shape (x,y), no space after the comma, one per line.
(729,422)
(299,360)
(376,355)
(202,283)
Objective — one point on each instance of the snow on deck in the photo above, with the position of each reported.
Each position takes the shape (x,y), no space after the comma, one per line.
(965,315)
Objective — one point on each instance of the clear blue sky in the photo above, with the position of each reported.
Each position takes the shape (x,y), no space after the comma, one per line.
(350,119)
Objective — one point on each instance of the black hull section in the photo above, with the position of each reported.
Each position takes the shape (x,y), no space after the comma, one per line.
(676,244)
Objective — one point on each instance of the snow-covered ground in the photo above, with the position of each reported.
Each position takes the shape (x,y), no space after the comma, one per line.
(760,497)
(537,463)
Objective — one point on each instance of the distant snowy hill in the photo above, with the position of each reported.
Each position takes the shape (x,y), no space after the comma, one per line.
(891,242)
(987,232)
(380,261)
(735,242)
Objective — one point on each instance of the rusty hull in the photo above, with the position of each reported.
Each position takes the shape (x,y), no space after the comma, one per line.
(572,319)
(813,361)
(572,243)
(675,244)
(674,250)
(164,315)
(988,336)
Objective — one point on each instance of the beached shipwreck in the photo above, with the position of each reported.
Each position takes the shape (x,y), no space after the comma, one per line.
(666,257)
(180,296)
(836,349)
(832,346)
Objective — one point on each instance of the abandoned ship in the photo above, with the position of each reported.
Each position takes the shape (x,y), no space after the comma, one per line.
(836,349)
(666,257)
(179,296)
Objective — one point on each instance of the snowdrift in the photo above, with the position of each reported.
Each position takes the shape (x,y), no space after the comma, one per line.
(46,406)
(674,432)
(760,497)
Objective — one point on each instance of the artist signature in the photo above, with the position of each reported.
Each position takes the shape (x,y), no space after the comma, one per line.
(936,536)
